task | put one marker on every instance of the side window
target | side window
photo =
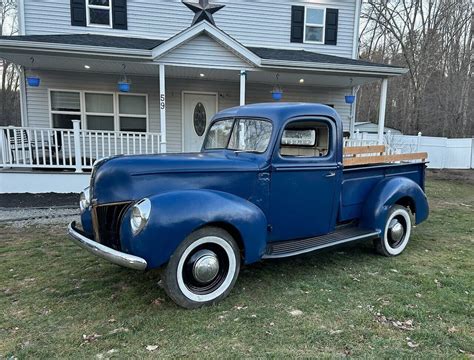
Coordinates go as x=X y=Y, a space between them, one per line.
x=305 y=139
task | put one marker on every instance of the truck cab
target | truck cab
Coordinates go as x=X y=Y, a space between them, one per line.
x=269 y=182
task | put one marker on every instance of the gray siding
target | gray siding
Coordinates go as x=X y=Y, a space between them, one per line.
x=38 y=111
x=254 y=23
x=204 y=51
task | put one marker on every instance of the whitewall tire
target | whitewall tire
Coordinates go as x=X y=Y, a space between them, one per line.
x=203 y=269
x=396 y=232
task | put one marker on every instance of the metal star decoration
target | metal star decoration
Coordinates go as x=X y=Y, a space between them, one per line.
x=203 y=11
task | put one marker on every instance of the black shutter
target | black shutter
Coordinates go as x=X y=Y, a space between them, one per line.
x=119 y=14
x=332 y=16
x=297 y=24
x=78 y=12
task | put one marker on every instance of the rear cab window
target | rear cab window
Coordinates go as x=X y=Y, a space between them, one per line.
x=308 y=139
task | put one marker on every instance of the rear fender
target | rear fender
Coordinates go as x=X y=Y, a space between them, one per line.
x=391 y=191
x=174 y=215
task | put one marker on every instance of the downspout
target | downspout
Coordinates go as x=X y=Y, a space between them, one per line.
x=355 y=55
x=355 y=40
x=21 y=69
x=21 y=17
x=23 y=104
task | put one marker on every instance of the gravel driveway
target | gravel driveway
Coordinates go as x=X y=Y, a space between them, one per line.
x=22 y=217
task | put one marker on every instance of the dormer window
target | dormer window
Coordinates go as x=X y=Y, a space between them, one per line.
x=99 y=13
x=314 y=25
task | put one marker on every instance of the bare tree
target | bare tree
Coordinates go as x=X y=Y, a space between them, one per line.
x=9 y=86
x=433 y=39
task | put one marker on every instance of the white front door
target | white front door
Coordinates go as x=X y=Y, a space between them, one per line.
x=198 y=109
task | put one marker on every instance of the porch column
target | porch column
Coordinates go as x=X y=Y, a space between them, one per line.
x=382 y=107
x=162 y=109
x=243 y=78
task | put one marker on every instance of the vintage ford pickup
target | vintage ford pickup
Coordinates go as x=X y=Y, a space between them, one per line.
x=271 y=181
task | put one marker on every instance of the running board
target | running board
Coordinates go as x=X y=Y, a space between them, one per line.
x=282 y=249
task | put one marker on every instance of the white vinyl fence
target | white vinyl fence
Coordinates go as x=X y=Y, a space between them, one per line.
x=443 y=153
x=47 y=148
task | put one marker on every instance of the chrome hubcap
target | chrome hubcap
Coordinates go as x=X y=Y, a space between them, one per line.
x=206 y=267
x=396 y=230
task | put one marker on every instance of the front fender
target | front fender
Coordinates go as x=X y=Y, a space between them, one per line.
x=390 y=191
x=174 y=215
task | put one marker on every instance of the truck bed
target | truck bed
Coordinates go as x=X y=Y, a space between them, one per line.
x=358 y=181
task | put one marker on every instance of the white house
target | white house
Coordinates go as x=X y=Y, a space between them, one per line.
x=181 y=62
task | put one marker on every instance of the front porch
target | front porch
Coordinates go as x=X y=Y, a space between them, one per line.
x=175 y=88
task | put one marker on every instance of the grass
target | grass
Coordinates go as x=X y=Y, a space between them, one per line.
x=57 y=301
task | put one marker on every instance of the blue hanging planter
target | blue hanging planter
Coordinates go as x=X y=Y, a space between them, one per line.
x=350 y=99
x=277 y=95
x=33 y=81
x=124 y=87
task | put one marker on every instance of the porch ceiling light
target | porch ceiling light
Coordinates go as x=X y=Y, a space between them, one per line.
x=301 y=81
x=87 y=67
x=202 y=75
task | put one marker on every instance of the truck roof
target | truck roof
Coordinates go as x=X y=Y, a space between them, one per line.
x=280 y=112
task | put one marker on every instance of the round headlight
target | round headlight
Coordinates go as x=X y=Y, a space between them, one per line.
x=140 y=215
x=84 y=199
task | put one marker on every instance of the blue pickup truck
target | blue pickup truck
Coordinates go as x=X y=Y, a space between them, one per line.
x=270 y=182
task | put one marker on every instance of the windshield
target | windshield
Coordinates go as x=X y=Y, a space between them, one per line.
x=247 y=135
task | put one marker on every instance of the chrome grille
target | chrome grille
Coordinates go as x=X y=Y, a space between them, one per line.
x=107 y=224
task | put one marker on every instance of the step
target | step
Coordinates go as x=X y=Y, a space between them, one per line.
x=288 y=248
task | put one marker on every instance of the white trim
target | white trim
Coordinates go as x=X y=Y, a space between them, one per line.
x=302 y=65
x=69 y=48
x=99 y=7
x=42 y=182
x=183 y=93
x=323 y=25
x=355 y=45
x=205 y=28
x=83 y=111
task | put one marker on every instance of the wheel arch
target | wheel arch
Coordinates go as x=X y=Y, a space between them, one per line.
x=232 y=230
x=390 y=191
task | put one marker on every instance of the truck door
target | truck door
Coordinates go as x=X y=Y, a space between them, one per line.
x=305 y=180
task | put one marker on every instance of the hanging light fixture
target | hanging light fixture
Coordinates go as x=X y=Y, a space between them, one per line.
x=124 y=83
x=350 y=98
x=277 y=92
x=33 y=80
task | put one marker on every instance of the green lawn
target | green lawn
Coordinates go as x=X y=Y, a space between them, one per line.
x=58 y=301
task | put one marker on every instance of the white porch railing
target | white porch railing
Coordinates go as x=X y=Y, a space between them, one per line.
x=26 y=147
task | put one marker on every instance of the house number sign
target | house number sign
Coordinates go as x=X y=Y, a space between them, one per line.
x=162 y=101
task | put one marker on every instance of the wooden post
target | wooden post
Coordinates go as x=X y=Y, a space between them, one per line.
x=243 y=78
x=162 y=109
x=76 y=128
x=382 y=107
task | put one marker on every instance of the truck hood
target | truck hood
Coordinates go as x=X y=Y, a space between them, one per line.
x=129 y=178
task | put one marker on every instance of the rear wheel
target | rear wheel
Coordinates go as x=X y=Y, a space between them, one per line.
x=396 y=233
x=203 y=269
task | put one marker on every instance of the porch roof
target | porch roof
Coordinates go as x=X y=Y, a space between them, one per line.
x=146 y=49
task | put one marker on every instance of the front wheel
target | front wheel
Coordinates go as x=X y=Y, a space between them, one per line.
x=396 y=232
x=203 y=269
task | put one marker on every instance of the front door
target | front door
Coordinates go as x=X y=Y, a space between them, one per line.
x=198 y=109
x=304 y=181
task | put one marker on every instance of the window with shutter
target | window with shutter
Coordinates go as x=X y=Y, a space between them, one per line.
x=297 y=24
x=332 y=19
x=99 y=13
x=314 y=25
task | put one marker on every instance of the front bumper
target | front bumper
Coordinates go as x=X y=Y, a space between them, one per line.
x=104 y=252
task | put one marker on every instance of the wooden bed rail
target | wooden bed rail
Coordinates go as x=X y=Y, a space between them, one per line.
x=376 y=155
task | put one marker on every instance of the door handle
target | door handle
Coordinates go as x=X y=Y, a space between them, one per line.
x=330 y=174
